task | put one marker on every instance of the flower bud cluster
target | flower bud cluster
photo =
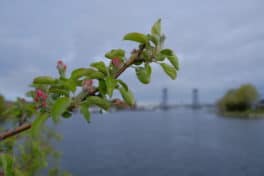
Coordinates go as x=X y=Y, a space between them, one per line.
x=41 y=98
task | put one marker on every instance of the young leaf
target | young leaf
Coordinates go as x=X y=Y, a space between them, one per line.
x=174 y=61
x=110 y=85
x=38 y=123
x=127 y=96
x=102 y=87
x=144 y=74
x=84 y=109
x=44 y=80
x=119 y=53
x=76 y=74
x=160 y=57
x=98 y=101
x=59 y=107
x=66 y=85
x=100 y=66
x=154 y=38
x=148 y=69
x=58 y=91
x=169 y=70
x=156 y=28
x=6 y=162
x=95 y=75
x=136 y=37
x=86 y=72
x=167 y=52
x=123 y=84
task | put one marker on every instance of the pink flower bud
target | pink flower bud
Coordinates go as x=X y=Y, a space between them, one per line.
x=87 y=85
x=61 y=67
x=116 y=62
x=39 y=93
x=40 y=98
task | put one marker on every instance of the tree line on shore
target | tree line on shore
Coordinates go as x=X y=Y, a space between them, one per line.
x=241 y=101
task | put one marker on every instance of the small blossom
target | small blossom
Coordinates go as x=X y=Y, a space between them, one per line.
x=116 y=62
x=87 y=85
x=40 y=98
x=39 y=93
x=61 y=67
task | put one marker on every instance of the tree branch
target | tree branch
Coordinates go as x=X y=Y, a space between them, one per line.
x=15 y=131
x=27 y=126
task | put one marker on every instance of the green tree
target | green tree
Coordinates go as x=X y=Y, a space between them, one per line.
x=2 y=105
x=240 y=99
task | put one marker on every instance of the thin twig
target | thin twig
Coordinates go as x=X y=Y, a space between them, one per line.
x=15 y=131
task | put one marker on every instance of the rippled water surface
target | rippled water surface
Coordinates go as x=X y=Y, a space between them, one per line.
x=178 y=142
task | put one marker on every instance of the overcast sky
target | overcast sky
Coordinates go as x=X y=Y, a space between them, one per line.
x=219 y=43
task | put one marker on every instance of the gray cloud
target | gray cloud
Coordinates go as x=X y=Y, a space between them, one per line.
x=219 y=43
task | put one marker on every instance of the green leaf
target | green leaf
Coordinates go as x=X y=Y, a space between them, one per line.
x=98 y=101
x=144 y=74
x=156 y=28
x=136 y=37
x=102 y=87
x=119 y=53
x=66 y=84
x=85 y=112
x=80 y=72
x=100 y=66
x=59 y=107
x=167 y=52
x=110 y=85
x=123 y=84
x=127 y=96
x=174 y=61
x=95 y=75
x=148 y=69
x=44 y=80
x=160 y=57
x=7 y=164
x=154 y=38
x=58 y=91
x=169 y=70
x=38 y=123
x=86 y=72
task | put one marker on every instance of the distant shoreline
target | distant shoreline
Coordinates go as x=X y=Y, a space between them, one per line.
x=252 y=114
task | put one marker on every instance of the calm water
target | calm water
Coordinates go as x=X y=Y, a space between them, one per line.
x=179 y=142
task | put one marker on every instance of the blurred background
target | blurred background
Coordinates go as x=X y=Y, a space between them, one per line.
x=180 y=132
x=219 y=43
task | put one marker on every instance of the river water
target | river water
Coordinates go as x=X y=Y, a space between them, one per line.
x=178 y=142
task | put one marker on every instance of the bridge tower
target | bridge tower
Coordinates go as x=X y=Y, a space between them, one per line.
x=164 y=101
x=195 y=99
